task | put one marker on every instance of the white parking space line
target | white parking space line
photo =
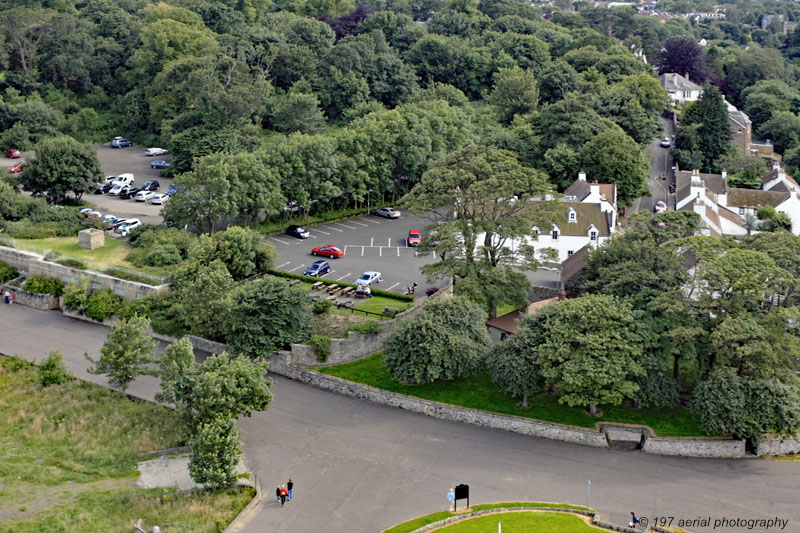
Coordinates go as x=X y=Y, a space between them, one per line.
x=345 y=225
x=340 y=279
x=373 y=221
x=295 y=268
x=393 y=286
x=312 y=236
x=334 y=229
x=283 y=265
x=371 y=240
x=398 y=251
x=359 y=223
x=319 y=230
x=362 y=251
x=389 y=241
x=280 y=241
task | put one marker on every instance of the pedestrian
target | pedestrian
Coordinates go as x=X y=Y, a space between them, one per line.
x=284 y=492
x=289 y=487
x=634 y=520
x=11 y=298
x=278 y=494
x=6 y=296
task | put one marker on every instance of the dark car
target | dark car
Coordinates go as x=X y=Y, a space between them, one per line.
x=120 y=142
x=151 y=185
x=298 y=232
x=103 y=188
x=318 y=268
x=128 y=192
x=12 y=154
x=159 y=164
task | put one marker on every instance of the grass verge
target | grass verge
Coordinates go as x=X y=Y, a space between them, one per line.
x=479 y=392
x=420 y=521
x=68 y=455
x=522 y=522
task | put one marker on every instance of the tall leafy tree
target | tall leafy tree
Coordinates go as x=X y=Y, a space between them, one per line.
x=62 y=166
x=513 y=363
x=681 y=55
x=126 y=354
x=617 y=158
x=514 y=93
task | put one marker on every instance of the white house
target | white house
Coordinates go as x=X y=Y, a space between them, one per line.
x=679 y=88
x=588 y=217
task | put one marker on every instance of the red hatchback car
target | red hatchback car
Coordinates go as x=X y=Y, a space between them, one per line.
x=12 y=154
x=16 y=168
x=328 y=251
x=414 y=237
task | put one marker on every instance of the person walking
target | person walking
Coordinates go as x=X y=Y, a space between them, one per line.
x=634 y=520
x=278 y=494
x=11 y=298
x=283 y=495
x=289 y=487
x=6 y=294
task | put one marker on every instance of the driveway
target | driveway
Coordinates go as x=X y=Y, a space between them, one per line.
x=361 y=467
x=660 y=165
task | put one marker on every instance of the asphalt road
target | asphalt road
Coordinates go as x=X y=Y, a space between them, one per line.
x=660 y=165
x=360 y=467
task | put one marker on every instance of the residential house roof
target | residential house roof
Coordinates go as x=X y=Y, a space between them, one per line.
x=753 y=197
x=713 y=182
x=586 y=215
x=579 y=190
x=676 y=82
x=509 y=321
x=574 y=264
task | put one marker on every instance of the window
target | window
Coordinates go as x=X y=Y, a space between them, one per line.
x=572 y=216
x=555 y=234
x=569 y=253
x=593 y=235
x=741 y=210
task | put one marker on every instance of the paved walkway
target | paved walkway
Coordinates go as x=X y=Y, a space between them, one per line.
x=360 y=467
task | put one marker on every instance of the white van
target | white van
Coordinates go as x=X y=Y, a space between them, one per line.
x=123 y=179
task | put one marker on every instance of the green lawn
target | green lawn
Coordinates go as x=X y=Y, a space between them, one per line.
x=112 y=254
x=479 y=392
x=522 y=522
x=67 y=458
x=377 y=303
x=418 y=522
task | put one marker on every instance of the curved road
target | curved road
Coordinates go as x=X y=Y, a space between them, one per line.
x=360 y=467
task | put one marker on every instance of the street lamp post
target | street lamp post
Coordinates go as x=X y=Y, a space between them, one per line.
x=368 y=207
x=588 y=483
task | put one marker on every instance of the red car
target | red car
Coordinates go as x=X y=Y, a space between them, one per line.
x=15 y=168
x=328 y=251
x=12 y=154
x=414 y=237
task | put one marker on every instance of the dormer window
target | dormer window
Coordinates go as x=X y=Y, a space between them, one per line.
x=572 y=217
x=593 y=235
x=555 y=234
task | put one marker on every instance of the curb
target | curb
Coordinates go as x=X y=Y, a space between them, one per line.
x=166 y=451
x=244 y=515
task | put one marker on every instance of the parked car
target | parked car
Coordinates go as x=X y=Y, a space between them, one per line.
x=128 y=192
x=298 y=232
x=109 y=220
x=660 y=207
x=387 y=212
x=329 y=250
x=127 y=226
x=414 y=237
x=159 y=164
x=15 y=168
x=118 y=222
x=124 y=179
x=155 y=151
x=12 y=154
x=665 y=142
x=151 y=185
x=173 y=189
x=159 y=199
x=85 y=210
x=120 y=142
x=143 y=196
x=369 y=277
x=318 y=268
x=116 y=189
x=102 y=188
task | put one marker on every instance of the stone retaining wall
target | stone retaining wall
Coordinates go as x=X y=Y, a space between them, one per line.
x=715 y=448
x=44 y=302
x=32 y=264
x=778 y=446
x=355 y=346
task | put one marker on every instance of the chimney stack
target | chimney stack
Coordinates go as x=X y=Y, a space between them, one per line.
x=581 y=176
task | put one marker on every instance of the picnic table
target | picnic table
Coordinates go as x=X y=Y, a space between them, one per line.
x=317 y=286
x=333 y=288
x=347 y=291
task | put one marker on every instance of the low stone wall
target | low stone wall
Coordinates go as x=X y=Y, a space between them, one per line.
x=355 y=346
x=45 y=302
x=777 y=446
x=34 y=265
x=714 y=448
x=77 y=316
x=439 y=410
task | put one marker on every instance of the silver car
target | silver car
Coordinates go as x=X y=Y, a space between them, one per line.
x=387 y=212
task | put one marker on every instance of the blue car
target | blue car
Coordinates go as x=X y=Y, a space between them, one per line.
x=318 y=268
x=120 y=142
x=173 y=189
x=159 y=164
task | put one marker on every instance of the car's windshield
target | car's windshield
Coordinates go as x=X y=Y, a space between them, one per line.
x=364 y=276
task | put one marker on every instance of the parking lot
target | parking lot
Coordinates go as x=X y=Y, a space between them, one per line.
x=116 y=161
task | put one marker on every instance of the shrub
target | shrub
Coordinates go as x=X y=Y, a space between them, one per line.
x=43 y=285
x=430 y=291
x=103 y=304
x=7 y=273
x=52 y=370
x=76 y=296
x=370 y=326
x=163 y=255
x=657 y=390
x=321 y=344
x=74 y=263
x=321 y=307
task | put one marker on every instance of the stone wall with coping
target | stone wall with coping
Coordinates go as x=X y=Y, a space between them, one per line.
x=713 y=448
x=778 y=446
x=355 y=346
x=44 y=302
x=32 y=264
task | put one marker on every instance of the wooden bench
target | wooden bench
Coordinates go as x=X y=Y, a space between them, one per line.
x=333 y=288
x=317 y=286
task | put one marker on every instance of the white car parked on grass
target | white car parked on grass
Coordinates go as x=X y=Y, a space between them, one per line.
x=369 y=277
x=155 y=151
x=159 y=199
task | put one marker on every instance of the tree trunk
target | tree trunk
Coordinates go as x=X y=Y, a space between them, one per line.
x=592 y=409
x=676 y=369
x=525 y=403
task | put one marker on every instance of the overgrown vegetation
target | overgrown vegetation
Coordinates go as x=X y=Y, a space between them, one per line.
x=43 y=285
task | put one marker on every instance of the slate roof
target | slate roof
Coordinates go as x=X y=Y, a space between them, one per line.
x=676 y=82
x=587 y=214
x=574 y=264
x=713 y=182
x=752 y=198
x=579 y=190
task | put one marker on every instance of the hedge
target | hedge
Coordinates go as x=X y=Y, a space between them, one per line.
x=310 y=279
x=43 y=285
x=7 y=273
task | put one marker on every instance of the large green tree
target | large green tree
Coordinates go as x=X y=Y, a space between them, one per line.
x=61 y=166
x=126 y=354
x=616 y=158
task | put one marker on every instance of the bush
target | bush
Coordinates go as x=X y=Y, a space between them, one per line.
x=321 y=344
x=52 y=370
x=370 y=326
x=7 y=273
x=163 y=255
x=309 y=279
x=430 y=291
x=74 y=263
x=43 y=285
x=76 y=296
x=321 y=307
x=657 y=390
x=103 y=304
